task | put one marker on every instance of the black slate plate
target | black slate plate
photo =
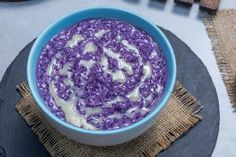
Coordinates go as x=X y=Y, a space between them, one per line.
x=17 y=140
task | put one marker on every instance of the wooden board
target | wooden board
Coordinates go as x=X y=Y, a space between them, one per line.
x=185 y=2
x=210 y=5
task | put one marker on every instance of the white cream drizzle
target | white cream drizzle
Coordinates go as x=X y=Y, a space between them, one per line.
x=144 y=110
x=118 y=38
x=147 y=71
x=115 y=100
x=93 y=110
x=118 y=75
x=130 y=111
x=148 y=99
x=100 y=33
x=68 y=81
x=153 y=54
x=69 y=108
x=159 y=88
x=75 y=40
x=53 y=62
x=64 y=69
x=130 y=46
x=135 y=94
x=50 y=66
x=88 y=64
x=115 y=115
x=90 y=47
x=122 y=64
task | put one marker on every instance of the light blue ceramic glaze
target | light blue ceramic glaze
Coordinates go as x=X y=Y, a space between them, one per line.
x=100 y=137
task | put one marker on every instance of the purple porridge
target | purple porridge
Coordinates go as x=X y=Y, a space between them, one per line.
x=101 y=74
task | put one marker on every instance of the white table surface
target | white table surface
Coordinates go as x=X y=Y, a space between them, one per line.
x=21 y=22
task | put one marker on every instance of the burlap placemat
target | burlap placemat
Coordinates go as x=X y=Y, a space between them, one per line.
x=180 y=114
x=222 y=32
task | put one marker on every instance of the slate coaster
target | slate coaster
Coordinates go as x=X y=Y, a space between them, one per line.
x=17 y=139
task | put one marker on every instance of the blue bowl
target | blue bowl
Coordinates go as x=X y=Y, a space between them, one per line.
x=100 y=137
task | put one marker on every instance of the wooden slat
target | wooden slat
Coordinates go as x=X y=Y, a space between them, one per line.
x=210 y=5
x=185 y=2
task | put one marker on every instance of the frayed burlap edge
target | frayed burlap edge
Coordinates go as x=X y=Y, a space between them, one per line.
x=222 y=60
x=143 y=146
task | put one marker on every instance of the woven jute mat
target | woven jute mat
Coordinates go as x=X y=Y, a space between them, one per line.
x=180 y=114
x=222 y=32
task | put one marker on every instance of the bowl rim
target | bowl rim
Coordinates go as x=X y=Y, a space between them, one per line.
x=43 y=107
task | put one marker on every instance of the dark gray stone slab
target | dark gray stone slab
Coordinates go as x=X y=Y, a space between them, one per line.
x=17 y=140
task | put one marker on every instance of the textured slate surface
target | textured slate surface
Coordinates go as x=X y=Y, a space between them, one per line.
x=16 y=138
